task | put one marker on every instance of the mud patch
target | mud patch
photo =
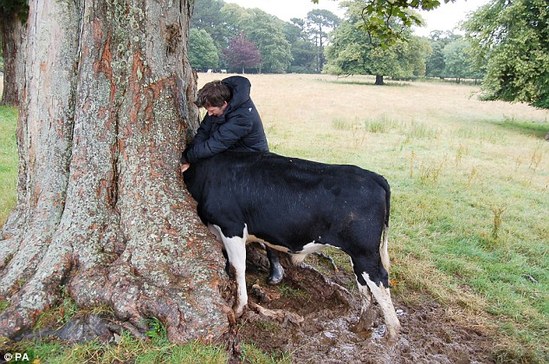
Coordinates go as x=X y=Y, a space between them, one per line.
x=333 y=331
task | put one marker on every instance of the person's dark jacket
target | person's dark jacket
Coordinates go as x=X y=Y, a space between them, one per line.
x=239 y=129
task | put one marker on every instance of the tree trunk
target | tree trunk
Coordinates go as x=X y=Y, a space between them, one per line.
x=102 y=209
x=379 y=80
x=12 y=31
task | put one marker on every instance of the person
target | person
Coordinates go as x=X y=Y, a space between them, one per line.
x=232 y=123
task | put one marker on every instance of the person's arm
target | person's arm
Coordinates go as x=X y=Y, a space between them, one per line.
x=201 y=135
x=203 y=130
x=222 y=139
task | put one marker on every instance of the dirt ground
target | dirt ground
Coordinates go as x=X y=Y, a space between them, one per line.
x=318 y=322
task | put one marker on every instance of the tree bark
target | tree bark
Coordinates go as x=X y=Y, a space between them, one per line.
x=102 y=209
x=379 y=80
x=12 y=31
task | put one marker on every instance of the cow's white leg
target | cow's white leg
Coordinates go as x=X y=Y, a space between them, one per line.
x=366 y=297
x=383 y=296
x=236 y=252
x=384 y=247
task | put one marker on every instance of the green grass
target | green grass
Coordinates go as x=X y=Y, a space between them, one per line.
x=125 y=349
x=128 y=349
x=8 y=161
x=535 y=129
x=252 y=354
x=483 y=245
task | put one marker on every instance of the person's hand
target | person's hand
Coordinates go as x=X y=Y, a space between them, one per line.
x=184 y=167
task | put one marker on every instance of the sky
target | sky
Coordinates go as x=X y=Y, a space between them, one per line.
x=445 y=17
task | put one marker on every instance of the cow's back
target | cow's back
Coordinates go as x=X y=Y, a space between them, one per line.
x=286 y=201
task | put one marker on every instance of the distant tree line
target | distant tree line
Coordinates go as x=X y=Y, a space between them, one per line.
x=227 y=36
x=506 y=44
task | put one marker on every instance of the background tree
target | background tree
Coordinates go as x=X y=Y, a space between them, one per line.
x=13 y=14
x=435 y=65
x=102 y=214
x=302 y=49
x=318 y=23
x=386 y=21
x=458 y=60
x=413 y=56
x=242 y=54
x=202 y=51
x=512 y=39
x=235 y=16
x=209 y=16
x=354 y=51
x=266 y=31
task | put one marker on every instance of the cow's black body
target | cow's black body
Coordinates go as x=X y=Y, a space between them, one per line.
x=290 y=203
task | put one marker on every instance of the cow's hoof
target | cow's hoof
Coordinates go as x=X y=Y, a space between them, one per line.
x=277 y=273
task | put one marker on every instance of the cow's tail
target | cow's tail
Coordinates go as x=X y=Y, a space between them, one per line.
x=384 y=244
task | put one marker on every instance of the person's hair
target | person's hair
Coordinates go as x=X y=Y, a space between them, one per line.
x=214 y=94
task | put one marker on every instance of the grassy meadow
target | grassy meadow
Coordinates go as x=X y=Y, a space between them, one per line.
x=470 y=190
x=8 y=161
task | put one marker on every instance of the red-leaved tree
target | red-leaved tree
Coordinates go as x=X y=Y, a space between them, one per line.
x=242 y=53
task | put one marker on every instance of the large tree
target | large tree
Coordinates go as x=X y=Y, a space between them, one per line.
x=202 y=51
x=302 y=49
x=241 y=54
x=266 y=31
x=102 y=212
x=353 y=51
x=512 y=40
x=319 y=22
x=13 y=14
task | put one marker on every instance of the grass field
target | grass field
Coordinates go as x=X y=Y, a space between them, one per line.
x=470 y=183
x=8 y=161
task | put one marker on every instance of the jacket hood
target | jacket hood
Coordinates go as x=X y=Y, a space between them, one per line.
x=240 y=87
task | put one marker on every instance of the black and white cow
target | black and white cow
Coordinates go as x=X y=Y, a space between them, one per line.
x=298 y=207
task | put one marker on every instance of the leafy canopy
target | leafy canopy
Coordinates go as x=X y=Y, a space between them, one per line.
x=512 y=39
x=202 y=53
x=380 y=16
x=353 y=51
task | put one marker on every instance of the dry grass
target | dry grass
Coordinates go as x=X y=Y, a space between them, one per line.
x=425 y=128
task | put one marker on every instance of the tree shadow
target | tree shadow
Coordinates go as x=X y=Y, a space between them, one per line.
x=530 y=128
x=387 y=83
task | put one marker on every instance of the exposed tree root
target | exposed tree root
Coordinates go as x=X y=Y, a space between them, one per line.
x=278 y=315
x=180 y=286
